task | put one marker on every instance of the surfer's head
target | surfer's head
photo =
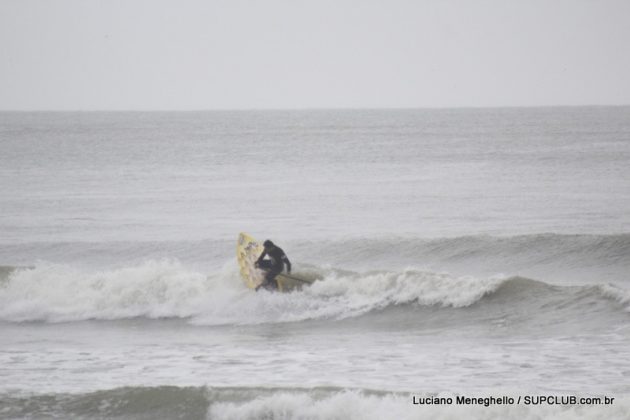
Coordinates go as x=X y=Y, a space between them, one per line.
x=268 y=244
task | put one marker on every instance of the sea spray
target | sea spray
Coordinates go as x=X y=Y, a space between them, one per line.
x=159 y=289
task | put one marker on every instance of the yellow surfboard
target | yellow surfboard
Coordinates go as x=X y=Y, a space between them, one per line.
x=248 y=250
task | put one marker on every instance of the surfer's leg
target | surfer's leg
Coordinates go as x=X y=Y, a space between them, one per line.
x=270 y=279
x=268 y=282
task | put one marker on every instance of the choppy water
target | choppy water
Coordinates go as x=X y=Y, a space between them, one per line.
x=460 y=252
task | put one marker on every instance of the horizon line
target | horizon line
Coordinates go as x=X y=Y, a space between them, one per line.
x=253 y=109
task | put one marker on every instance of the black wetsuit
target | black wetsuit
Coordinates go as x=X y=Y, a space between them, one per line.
x=273 y=266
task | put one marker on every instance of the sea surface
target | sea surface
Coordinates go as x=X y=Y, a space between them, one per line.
x=461 y=252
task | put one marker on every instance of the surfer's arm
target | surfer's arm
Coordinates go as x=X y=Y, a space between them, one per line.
x=262 y=256
x=287 y=262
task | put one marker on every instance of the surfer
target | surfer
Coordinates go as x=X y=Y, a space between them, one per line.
x=273 y=266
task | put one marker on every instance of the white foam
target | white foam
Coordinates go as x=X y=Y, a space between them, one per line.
x=57 y=293
x=166 y=289
x=350 y=405
x=344 y=296
x=616 y=293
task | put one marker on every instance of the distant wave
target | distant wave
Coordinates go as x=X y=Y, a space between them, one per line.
x=280 y=403
x=167 y=289
x=549 y=246
x=606 y=256
x=588 y=258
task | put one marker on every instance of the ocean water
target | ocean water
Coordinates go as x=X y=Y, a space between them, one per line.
x=461 y=253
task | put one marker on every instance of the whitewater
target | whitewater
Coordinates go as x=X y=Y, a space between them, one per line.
x=472 y=252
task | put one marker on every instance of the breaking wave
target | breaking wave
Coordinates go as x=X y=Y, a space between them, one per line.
x=167 y=289
x=234 y=403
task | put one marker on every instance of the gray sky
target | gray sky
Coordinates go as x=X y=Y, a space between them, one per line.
x=184 y=54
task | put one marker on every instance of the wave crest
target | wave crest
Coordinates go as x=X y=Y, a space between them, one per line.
x=58 y=293
x=166 y=289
